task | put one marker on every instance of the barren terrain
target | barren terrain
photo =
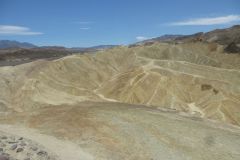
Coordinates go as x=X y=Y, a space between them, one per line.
x=161 y=101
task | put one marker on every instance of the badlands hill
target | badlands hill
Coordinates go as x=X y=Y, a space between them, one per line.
x=194 y=78
x=160 y=101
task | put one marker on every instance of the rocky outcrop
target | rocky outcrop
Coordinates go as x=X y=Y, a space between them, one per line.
x=232 y=48
x=13 y=147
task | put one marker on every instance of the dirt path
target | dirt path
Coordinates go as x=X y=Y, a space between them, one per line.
x=63 y=149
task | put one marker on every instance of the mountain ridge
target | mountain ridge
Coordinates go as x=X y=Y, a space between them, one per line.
x=228 y=37
x=5 y=44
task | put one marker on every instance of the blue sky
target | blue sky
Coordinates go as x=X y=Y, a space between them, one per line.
x=93 y=22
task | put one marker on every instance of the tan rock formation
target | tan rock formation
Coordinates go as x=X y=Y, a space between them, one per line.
x=186 y=77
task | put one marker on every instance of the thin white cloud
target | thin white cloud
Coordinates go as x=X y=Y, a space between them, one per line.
x=85 y=28
x=84 y=25
x=141 y=38
x=16 y=30
x=208 y=21
x=83 y=22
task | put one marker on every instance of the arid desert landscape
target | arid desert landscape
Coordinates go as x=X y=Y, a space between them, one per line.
x=119 y=80
x=152 y=100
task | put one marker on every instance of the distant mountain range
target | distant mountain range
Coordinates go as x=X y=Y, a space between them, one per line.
x=94 y=48
x=164 y=38
x=14 y=52
x=7 y=44
x=4 y=44
x=229 y=37
x=220 y=36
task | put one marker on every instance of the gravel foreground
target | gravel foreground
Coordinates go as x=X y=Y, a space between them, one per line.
x=18 y=148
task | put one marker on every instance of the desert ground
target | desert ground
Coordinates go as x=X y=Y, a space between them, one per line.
x=148 y=102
